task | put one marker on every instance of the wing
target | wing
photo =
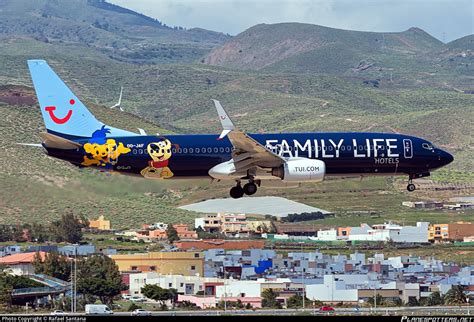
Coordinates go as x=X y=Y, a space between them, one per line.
x=248 y=153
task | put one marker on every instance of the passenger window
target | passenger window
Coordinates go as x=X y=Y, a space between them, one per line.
x=197 y=150
x=349 y=148
x=185 y=150
x=343 y=148
x=227 y=149
x=191 y=150
x=209 y=150
x=221 y=150
x=216 y=150
x=173 y=150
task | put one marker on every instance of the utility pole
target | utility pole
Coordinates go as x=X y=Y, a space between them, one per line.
x=302 y=275
x=375 y=297
x=72 y=286
x=225 y=292
x=75 y=278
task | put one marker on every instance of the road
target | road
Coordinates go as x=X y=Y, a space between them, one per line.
x=421 y=310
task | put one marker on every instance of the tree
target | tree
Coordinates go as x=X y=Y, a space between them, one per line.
x=435 y=298
x=157 y=293
x=413 y=301
x=53 y=265
x=98 y=276
x=38 y=233
x=455 y=296
x=133 y=307
x=68 y=229
x=296 y=301
x=379 y=298
x=9 y=282
x=6 y=288
x=172 y=233
x=269 y=299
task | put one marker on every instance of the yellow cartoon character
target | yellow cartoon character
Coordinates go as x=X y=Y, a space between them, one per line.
x=160 y=152
x=103 y=154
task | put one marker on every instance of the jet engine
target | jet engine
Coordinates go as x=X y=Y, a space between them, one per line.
x=301 y=169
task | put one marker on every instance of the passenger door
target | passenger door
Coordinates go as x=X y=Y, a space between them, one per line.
x=407 y=149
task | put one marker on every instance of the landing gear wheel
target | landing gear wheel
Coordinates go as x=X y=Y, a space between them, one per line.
x=250 y=188
x=411 y=187
x=236 y=192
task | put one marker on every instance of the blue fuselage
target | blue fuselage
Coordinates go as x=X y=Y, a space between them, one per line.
x=343 y=153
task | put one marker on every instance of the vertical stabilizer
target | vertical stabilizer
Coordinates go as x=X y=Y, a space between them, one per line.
x=63 y=113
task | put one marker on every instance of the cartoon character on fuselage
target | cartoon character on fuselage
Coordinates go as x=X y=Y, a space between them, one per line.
x=101 y=151
x=160 y=152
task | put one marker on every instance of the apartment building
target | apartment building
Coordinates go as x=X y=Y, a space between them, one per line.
x=179 y=263
x=456 y=231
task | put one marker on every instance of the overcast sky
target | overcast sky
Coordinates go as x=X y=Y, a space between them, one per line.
x=445 y=19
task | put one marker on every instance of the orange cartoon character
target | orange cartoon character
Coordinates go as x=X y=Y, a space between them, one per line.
x=101 y=151
x=160 y=153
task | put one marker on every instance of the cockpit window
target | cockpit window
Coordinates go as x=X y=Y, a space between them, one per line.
x=427 y=146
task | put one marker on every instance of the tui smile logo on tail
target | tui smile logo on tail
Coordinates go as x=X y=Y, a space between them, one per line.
x=56 y=119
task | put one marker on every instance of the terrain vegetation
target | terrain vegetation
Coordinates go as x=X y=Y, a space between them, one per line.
x=303 y=78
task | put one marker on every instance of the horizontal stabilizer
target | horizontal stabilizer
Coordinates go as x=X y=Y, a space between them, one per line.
x=31 y=144
x=57 y=142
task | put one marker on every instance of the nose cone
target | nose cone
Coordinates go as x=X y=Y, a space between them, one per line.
x=445 y=158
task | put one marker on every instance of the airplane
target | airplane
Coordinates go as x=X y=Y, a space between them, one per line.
x=74 y=134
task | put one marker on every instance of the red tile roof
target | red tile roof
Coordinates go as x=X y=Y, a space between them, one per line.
x=22 y=258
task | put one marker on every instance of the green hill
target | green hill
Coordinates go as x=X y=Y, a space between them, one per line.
x=464 y=43
x=117 y=32
x=300 y=47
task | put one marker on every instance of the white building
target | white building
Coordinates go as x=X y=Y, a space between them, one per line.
x=337 y=288
x=184 y=284
x=394 y=232
x=326 y=235
x=9 y=250
x=238 y=288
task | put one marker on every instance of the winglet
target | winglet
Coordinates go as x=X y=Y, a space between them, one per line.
x=226 y=122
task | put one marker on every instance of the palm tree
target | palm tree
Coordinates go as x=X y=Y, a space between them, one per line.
x=455 y=295
x=269 y=298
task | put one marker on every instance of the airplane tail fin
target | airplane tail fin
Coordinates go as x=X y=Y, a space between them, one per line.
x=63 y=113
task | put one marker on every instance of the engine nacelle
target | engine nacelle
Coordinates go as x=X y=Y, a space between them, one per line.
x=301 y=170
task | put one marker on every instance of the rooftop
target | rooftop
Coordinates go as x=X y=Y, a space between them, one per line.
x=275 y=206
x=22 y=258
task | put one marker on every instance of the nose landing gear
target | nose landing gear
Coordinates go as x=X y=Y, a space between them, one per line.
x=249 y=189
x=411 y=187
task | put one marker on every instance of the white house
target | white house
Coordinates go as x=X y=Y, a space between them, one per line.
x=326 y=235
x=394 y=232
x=337 y=288
x=22 y=263
x=184 y=284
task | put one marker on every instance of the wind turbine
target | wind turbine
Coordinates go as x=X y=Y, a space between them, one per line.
x=119 y=101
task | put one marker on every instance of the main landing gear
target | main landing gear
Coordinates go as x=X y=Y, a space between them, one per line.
x=411 y=187
x=249 y=189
